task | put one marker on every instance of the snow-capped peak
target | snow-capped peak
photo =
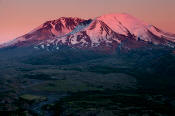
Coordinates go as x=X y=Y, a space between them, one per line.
x=107 y=30
x=124 y=23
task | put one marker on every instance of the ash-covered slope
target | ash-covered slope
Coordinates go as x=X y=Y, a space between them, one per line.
x=107 y=32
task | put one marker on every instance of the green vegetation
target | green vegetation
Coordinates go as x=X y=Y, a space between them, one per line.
x=113 y=103
x=32 y=98
x=136 y=82
x=86 y=81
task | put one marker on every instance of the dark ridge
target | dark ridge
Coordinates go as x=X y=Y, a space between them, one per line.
x=160 y=40
x=93 y=25
x=169 y=34
x=86 y=22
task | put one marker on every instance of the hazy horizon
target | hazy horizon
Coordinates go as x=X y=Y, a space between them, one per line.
x=21 y=16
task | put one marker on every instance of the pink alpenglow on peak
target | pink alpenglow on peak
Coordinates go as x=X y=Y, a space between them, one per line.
x=123 y=23
x=105 y=32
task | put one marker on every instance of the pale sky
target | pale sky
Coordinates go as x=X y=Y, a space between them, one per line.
x=18 y=17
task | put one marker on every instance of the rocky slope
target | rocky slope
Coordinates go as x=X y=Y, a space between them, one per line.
x=107 y=32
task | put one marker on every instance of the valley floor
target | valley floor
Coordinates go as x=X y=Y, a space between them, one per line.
x=134 y=84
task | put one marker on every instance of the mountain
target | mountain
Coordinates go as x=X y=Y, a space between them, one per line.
x=48 y=30
x=110 y=65
x=108 y=32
